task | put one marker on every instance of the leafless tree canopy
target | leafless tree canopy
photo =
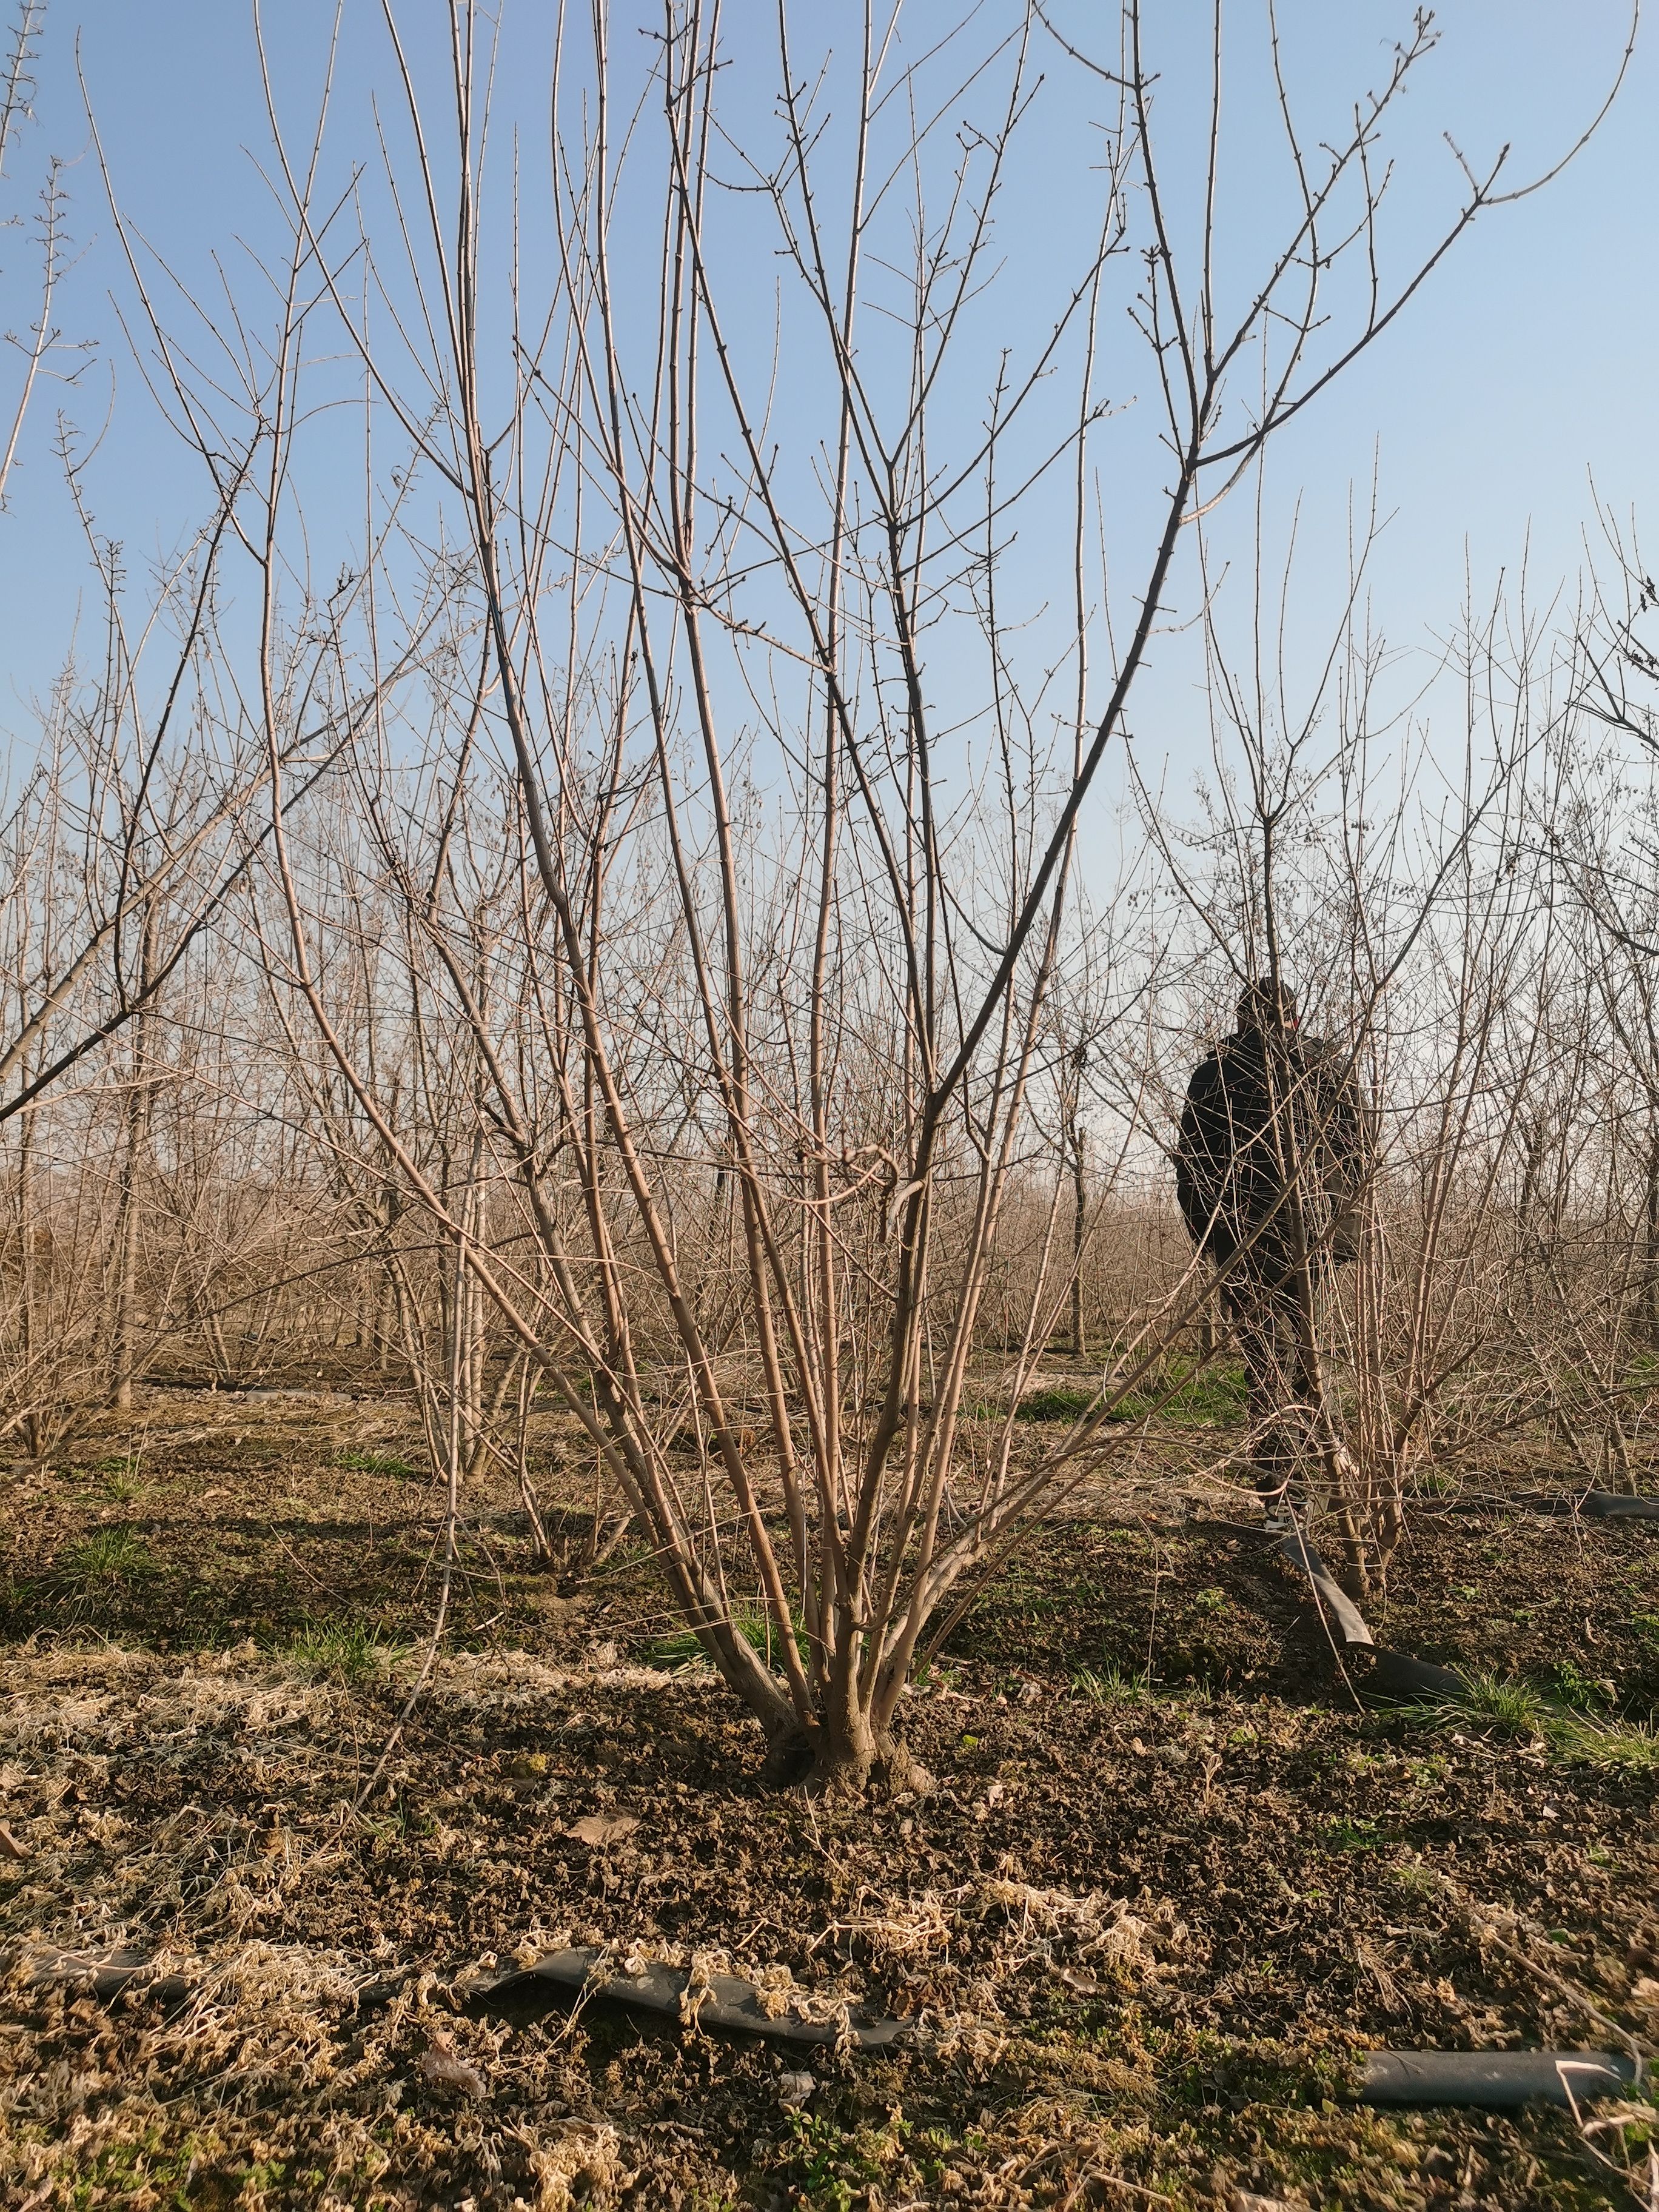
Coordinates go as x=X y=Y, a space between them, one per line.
x=579 y=871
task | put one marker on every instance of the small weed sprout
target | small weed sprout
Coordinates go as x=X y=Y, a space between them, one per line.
x=342 y=1652
x=1108 y=1686
x=1415 y=1880
x=1353 y=1834
x=1574 y=1687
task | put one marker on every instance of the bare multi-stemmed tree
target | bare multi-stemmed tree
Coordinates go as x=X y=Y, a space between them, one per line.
x=731 y=886
x=1588 y=1204
x=655 y=830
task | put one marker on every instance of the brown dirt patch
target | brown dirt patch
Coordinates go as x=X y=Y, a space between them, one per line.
x=1166 y=1888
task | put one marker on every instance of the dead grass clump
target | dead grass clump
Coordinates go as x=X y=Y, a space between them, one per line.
x=904 y=1930
x=581 y=2165
x=508 y=1681
x=111 y=1698
x=1014 y=1930
x=1042 y=1923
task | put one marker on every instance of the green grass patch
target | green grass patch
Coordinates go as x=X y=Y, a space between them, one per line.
x=371 y=1462
x=753 y=1623
x=834 y=2167
x=1106 y=1685
x=121 y=1475
x=1182 y=1388
x=1498 y=1704
x=1064 y=1401
x=167 y=2176
x=1188 y=1390
x=340 y=1651
x=1492 y=1701
x=110 y=1555
x=1611 y=1744
x=117 y=1476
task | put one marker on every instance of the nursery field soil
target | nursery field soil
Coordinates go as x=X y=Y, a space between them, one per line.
x=1168 y=1881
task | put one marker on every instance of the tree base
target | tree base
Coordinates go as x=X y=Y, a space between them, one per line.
x=818 y=1769
x=791 y=1756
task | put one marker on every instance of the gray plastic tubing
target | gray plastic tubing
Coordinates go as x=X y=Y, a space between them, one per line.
x=1499 y=2080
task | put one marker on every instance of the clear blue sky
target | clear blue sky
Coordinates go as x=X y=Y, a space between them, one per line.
x=1525 y=370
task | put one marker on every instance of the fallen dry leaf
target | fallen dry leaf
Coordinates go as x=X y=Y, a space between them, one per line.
x=9 y=1845
x=597 y=1830
x=1085 y=1984
x=440 y=2063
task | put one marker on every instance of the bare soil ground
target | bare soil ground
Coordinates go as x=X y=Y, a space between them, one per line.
x=1171 y=1881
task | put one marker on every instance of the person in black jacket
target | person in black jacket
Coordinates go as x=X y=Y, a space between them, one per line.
x=1269 y=1171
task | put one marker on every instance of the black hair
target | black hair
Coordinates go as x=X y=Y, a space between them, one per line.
x=1265 y=1002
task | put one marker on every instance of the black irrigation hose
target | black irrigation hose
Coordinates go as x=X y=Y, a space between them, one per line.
x=1498 y=2081
x=1407 y=1681
x=1591 y=1504
x=718 y=2001
x=1393 y=1675
x=1335 y=1601
x=1396 y=1675
x=1611 y=1506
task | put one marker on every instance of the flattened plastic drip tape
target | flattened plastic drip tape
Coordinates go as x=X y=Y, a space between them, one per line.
x=1610 y=1505
x=1336 y=1602
x=1593 y=1504
x=1397 y=1676
x=1498 y=2081
x=722 y=2002
x=105 y=1975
